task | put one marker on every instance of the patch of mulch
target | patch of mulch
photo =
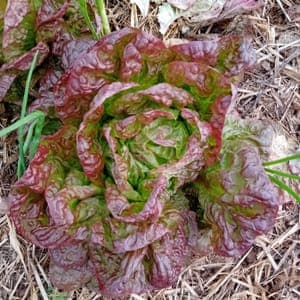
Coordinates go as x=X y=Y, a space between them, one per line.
x=271 y=268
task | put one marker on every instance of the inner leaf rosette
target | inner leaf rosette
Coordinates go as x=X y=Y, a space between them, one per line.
x=138 y=122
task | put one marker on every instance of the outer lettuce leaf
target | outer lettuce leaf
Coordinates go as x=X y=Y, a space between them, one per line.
x=19 y=28
x=74 y=90
x=44 y=100
x=259 y=134
x=116 y=56
x=154 y=266
x=208 y=12
x=45 y=174
x=120 y=275
x=50 y=13
x=72 y=277
x=238 y=200
x=203 y=12
x=62 y=24
x=271 y=142
x=6 y=81
x=35 y=25
x=9 y=71
x=229 y=54
x=23 y=62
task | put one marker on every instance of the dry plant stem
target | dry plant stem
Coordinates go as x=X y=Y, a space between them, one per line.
x=16 y=245
x=283 y=10
x=39 y=281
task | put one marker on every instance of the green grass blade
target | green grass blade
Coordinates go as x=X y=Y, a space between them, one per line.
x=37 y=136
x=282 y=160
x=20 y=123
x=84 y=11
x=27 y=85
x=282 y=174
x=29 y=136
x=21 y=160
x=102 y=12
x=285 y=187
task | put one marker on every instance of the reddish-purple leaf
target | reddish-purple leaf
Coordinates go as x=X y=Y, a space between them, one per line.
x=44 y=101
x=9 y=71
x=23 y=62
x=124 y=211
x=5 y=82
x=232 y=54
x=48 y=15
x=120 y=275
x=18 y=28
x=88 y=149
x=74 y=255
x=238 y=200
x=70 y=278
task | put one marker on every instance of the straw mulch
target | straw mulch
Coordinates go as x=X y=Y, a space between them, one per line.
x=271 y=268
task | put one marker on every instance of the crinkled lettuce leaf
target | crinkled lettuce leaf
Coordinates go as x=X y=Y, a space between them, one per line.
x=19 y=29
x=208 y=12
x=30 y=25
x=236 y=197
x=203 y=12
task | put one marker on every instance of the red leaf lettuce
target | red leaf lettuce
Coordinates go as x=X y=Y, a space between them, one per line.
x=139 y=122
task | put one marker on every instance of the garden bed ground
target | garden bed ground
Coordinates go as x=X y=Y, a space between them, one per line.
x=270 y=269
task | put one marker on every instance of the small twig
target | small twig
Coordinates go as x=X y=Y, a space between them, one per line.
x=280 y=49
x=14 y=242
x=290 y=101
x=229 y=274
x=11 y=296
x=283 y=10
x=39 y=281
